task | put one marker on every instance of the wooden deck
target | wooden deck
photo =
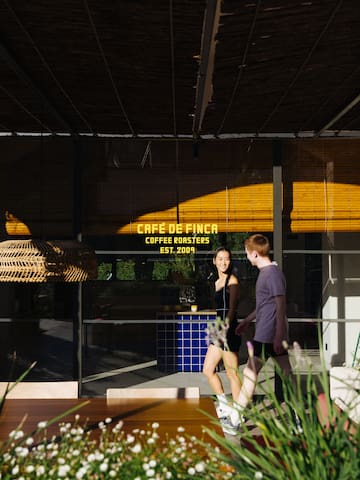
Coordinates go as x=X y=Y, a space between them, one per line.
x=134 y=413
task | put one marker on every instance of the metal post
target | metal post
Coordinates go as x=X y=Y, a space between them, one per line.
x=77 y=289
x=277 y=203
x=278 y=232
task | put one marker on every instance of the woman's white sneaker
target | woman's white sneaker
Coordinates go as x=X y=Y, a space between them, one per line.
x=223 y=410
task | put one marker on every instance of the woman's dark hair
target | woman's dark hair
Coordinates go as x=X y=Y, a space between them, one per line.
x=224 y=249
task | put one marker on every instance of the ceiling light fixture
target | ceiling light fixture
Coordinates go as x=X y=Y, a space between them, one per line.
x=46 y=261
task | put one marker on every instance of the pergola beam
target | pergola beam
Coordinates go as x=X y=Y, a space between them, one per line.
x=206 y=65
x=337 y=117
x=205 y=136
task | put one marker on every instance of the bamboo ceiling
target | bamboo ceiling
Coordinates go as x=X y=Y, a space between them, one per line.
x=180 y=68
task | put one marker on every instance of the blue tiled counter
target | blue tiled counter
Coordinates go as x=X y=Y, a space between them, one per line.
x=180 y=342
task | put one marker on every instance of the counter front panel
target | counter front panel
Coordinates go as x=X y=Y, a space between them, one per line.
x=181 y=346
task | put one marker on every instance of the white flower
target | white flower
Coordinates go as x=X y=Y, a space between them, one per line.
x=40 y=470
x=108 y=420
x=63 y=470
x=16 y=434
x=152 y=463
x=103 y=467
x=200 y=467
x=130 y=439
x=30 y=468
x=150 y=441
x=80 y=473
x=155 y=425
x=15 y=470
x=42 y=424
x=258 y=475
x=136 y=448
x=181 y=429
x=29 y=441
x=150 y=472
x=22 y=451
x=301 y=361
x=191 y=471
x=216 y=332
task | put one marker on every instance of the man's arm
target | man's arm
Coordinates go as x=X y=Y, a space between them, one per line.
x=281 y=327
x=243 y=325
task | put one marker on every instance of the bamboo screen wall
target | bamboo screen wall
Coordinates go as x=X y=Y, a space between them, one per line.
x=230 y=184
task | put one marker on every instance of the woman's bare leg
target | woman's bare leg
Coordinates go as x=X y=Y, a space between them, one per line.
x=212 y=359
x=231 y=363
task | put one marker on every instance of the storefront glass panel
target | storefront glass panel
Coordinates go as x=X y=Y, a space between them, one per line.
x=155 y=220
x=321 y=233
x=160 y=262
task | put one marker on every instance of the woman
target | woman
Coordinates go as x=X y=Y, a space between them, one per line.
x=226 y=300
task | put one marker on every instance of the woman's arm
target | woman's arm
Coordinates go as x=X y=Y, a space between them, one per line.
x=234 y=296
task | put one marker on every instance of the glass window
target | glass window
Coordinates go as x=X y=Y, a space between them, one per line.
x=321 y=243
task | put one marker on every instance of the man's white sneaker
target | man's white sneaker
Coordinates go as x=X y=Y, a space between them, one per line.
x=228 y=427
x=236 y=416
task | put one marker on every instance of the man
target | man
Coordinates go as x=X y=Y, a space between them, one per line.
x=271 y=322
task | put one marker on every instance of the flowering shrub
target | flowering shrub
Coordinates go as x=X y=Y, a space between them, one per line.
x=141 y=454
x=294 y=441
x=304 y=437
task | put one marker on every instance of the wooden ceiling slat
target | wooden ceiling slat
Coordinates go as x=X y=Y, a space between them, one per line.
x=135 y=37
